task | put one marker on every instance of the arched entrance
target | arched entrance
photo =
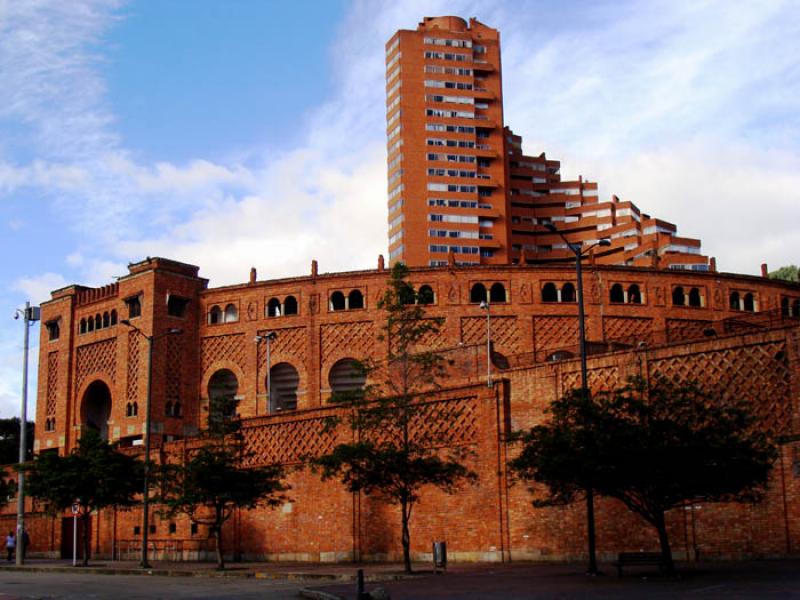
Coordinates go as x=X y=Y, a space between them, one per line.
x=97 y=408
x=222 y=389
x=284 y=381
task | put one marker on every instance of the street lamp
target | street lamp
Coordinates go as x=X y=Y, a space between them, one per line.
x=146 y=497
x=268 y=337
x=485 y=306
x=29 y=315
x=580 y=252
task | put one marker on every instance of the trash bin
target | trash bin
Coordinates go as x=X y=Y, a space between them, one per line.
x=440 y=555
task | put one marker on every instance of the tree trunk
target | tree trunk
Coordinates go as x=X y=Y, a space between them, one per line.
x=220 y=550
x=666 y=551
x=86 y=542
x=406 y=536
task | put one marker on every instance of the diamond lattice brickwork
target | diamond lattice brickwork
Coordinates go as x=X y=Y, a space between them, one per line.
x=555 y=332
x=758 y=373
x=685 y=329
x=290 y=342
x=601 y=379
x=174 y=366
x=505 y=333
x=134 y=355
x=357 y=338
x=222 y=347
x=91 y=359
x=629 y=330
x=287 y=443
x=52 y=383
x=447 y=422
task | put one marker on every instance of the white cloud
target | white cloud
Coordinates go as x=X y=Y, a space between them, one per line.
x=37 y=288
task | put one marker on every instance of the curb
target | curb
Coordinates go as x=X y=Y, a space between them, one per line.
x=317 y=594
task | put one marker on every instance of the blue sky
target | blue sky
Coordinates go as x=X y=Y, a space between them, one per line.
x=251 y=133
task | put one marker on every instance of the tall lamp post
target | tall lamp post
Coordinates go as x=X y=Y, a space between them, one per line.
x=145 y=564
x=485 y=306
x=268 y=337
x=580 y=252
x=29 y=315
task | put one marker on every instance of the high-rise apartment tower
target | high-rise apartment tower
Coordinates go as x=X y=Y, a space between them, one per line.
x=460 y=187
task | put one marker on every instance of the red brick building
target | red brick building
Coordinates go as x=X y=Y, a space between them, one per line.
x=458 y=180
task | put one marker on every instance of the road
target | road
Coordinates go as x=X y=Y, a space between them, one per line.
x=82 y=586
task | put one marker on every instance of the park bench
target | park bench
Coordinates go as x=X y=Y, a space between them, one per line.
x=638 y=559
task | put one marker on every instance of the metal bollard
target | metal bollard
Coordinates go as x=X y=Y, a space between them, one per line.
x=360 y=593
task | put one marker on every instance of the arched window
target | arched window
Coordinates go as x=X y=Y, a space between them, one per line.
x=290 y=305
x=634 y=294
x=617 y=294
x=231 y=314
x=734 y=301
x=785 y=310
x=497 y=293
x=549 y=292
x=135 y=409
x=113 y=317
x=215 y=315
x=98 y=321
x=425 y=295
x=82 y=327
x=478 y=293
x=96 y=408
x=346 y=376
x=568 y=292
x=355 y=299
x=678 y=296
x=177 y=409
x=90 y=324
x=274 y=308
x=559 y=355
x=222 y=390
x=128 y=410
x=749 y=303
x=106 y=319
x=284 y=380
x=796 y=308
x=337 y=301
x=694 y=297
x=405 y=293
x=168 y=408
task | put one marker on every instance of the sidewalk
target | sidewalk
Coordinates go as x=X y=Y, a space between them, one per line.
x=260 y=570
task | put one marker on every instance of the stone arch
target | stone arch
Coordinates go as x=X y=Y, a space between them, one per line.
x=678 y=296
x=617 y=294
x=337 y=301
x=274 y=307
x=355 y=299
x=290 y=305
x=695 y=299
x=426 y=295
x=477 y=293
x=497 y=293
x=634 y=294
x=346 y=376
x=231 y=313
x=568 y=292
x=96 y=407
x=285 y=381
x=549 y=292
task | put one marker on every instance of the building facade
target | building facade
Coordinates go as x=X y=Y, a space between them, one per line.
x=459 y=182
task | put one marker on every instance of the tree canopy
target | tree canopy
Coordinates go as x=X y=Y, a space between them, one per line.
x=787 y=273
x=212 y=482
x=389 y=459
x=93 y=474
x=9 y=441
x=654 y=448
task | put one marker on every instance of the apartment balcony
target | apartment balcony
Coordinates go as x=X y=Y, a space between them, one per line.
x=485 y=151
x=484 y=94
x=482 y=65
x=484 y=180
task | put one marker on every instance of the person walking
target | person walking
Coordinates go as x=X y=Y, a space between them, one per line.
x=11 y=542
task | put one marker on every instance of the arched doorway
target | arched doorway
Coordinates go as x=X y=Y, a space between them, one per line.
x=222 y=389
x=346 y=376
x=284 y=381
x=97 y=408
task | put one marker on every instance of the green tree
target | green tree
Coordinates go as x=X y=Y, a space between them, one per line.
x=211 y=483
x=94 y=474
x=388 y=459
x=8 y=488
x=787 y=273
x=9 y=441
x=653 y=448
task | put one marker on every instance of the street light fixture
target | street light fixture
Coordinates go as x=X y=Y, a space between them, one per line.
x=485 y=306
x=268 y=337
x=580 y=252
x=145 y=564
x=29 y=315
